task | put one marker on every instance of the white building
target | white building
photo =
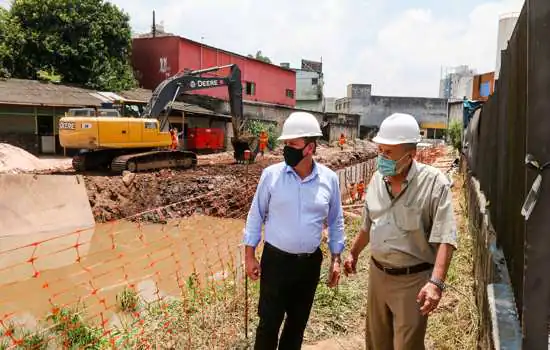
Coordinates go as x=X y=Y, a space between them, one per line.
x=506 y=24
x=456 y=83
x=309 y=90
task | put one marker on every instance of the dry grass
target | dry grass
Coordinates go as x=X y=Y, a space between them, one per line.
x=454 y=324
x=340 y=312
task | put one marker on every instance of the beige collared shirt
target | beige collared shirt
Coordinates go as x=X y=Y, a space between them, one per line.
x=406 y=230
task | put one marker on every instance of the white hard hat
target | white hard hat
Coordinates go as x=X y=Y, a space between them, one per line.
x=300 y=124
x=398 y=128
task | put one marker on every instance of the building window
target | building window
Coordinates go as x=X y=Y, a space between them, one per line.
x=485 y=89
x=250 y=88
x=289 y=93
x=314 y=81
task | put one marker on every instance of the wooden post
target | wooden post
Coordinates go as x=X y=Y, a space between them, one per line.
x=536 y=283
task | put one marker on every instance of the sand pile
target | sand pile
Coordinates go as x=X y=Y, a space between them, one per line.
x=16 y=160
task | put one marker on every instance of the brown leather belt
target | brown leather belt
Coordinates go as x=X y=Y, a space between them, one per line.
x=403 y=270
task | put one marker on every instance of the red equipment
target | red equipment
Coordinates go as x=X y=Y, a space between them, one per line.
x=211 y=139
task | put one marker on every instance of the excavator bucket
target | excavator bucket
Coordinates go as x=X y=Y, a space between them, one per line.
x=245 y=144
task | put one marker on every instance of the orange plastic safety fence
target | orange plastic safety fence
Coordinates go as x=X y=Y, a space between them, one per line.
x=129 y=284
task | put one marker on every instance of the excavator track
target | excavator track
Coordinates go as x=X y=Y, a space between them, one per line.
x=78 y=164
x=154 y=160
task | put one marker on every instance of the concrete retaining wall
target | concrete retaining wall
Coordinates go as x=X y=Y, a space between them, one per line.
x=498 y=318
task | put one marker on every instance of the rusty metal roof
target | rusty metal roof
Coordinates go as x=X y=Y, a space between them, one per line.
x=190 y=108
x=143 y=95
x=38 y=93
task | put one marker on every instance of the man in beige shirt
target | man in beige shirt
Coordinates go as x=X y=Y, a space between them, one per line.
x=408 y=219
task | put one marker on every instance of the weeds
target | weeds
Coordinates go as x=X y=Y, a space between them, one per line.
x=74 y=332
x=128 y=300
x=454 y=324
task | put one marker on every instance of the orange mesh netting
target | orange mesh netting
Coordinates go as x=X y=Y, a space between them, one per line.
x=127 y=284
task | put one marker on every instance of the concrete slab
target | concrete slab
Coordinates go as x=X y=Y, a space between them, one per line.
x=33 y=204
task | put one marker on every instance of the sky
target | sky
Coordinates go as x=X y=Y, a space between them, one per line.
x=398 y=46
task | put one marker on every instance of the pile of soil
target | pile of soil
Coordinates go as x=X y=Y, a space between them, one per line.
x=17 y=160
x=217 y=187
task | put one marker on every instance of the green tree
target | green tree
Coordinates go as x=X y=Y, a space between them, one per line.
x=260 y=57
x=85 y=42
x=455 y=134
x=10 y=43
x=254 y=127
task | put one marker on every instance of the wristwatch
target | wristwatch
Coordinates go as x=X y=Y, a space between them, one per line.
x=438 y=283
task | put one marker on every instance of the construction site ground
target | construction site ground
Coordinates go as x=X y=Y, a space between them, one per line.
x=94 y=266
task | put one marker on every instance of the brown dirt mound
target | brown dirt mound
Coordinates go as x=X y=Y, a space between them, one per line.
x=217 y=188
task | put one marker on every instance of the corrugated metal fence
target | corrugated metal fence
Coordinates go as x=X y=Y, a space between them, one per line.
x=514 y=122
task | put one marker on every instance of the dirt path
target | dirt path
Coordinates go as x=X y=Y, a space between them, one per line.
x=342 y=343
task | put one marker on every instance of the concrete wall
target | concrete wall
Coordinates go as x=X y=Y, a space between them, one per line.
x=455 y=110
x=373 y=109
x=306 y=89
x=425 y=110
x=347 y=124
x=310 y=105
x=498 y=318
x=330 y=104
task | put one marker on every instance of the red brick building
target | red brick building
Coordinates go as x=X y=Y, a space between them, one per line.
x=156 y=58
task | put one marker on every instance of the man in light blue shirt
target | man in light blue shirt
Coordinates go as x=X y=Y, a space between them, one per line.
x=293 y=200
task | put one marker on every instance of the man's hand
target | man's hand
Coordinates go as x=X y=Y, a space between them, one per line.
x=252 y=268
x=428 y=298
x=350 y=265
x=334 y=273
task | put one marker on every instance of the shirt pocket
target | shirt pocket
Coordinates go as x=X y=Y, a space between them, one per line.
x=407 y=218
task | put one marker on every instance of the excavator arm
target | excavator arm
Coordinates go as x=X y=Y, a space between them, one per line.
x=169 y=90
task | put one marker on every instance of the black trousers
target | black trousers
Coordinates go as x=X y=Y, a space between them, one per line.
x=287 y=286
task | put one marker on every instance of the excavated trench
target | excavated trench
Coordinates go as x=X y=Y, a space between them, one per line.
x=215 y=188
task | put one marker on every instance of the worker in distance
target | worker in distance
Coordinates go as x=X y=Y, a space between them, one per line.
x=292 y=201
x=408 y=221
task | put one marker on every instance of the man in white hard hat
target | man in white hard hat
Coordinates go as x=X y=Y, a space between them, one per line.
x=293 y=199
x=408 y=221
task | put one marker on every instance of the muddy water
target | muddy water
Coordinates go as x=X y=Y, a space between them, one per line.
x=93 y=266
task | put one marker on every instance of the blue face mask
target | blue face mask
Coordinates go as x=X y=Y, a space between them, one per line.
x=388 y=167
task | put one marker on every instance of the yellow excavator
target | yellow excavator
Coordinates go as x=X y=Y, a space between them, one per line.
x=107 y=140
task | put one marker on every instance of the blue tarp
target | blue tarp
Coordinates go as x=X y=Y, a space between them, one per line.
x=468 y=110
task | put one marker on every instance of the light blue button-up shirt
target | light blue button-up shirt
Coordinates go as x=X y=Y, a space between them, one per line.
x=293 y=210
